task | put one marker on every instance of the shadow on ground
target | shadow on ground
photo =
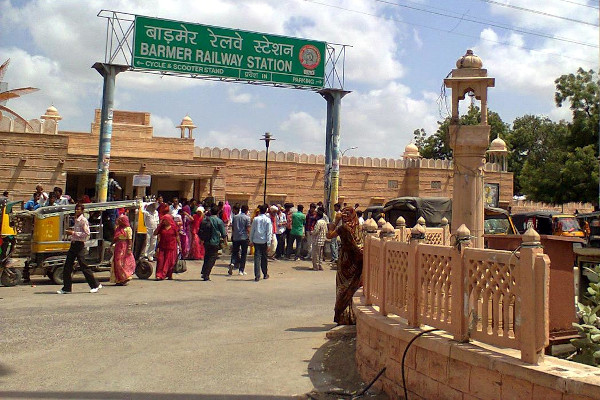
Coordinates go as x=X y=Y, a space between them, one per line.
x=334 y=375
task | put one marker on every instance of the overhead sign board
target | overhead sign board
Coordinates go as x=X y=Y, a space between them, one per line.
x=181 y=47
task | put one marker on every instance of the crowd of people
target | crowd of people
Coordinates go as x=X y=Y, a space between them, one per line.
x=194 y=230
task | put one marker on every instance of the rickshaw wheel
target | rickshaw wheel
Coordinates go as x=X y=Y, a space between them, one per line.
x=143 y=269
x=57 y=275
x=11 y=277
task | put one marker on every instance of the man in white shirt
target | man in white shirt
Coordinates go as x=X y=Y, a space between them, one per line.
x=151 y=220
x=261 y=234
x=175 y=207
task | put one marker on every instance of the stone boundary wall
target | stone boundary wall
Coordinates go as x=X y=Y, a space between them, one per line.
x=437 y=367
x=8 y=124
x=518 y=206
x=245 y=154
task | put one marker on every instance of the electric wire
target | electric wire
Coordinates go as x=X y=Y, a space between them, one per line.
x=579 y=4
x=494 y=24
x=537 y=12
x=504 y=43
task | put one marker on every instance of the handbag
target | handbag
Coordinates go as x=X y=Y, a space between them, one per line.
x=180 y=266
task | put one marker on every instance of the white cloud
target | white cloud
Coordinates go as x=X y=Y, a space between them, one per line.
x=305 y=129
x=235 y=96
x=164 y=126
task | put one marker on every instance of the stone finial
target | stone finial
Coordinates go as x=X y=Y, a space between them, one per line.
x=469 y=60
x=51 y=113
x=421 y=221
x=531 y=238
x=381 y=222
x=400 y=222
x=444 y=221
x=186 y=123
x=463 y=233
x=417 y=232
x=370 y=225
x=387 y=228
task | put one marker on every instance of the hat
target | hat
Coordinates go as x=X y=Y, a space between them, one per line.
x=274 y=208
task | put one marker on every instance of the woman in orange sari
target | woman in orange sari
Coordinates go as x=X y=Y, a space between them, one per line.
x=123 y=265
x=349 y=275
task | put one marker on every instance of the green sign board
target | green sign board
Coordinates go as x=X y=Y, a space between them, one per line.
x=165 y=45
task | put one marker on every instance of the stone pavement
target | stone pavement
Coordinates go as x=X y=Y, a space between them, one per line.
x=229 y=338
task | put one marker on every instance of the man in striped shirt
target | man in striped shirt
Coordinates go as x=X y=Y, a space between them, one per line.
x=318 y=236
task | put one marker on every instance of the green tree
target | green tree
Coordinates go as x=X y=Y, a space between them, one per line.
x=437 y=145
x=532 y=138
x=581 y=92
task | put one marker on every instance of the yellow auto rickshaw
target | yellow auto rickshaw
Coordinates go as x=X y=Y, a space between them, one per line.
x=548 y=223
x=41 y=241
x=10 y=270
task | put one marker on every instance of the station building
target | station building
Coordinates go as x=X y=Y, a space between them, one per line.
x=42 y=153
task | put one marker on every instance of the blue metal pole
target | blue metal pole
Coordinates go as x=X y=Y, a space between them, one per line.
x=109 y=73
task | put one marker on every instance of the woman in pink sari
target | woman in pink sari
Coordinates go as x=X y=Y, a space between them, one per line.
x=168 y=244
x=123 y=265
x=197 y=247
x=185 y=233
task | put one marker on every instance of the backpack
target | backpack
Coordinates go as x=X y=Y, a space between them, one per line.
x=206 y=230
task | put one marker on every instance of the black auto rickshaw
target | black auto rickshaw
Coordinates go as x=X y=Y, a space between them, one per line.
x=432 y=209
x=497 y=221
x=590 y=223
x=42 y=243
x=374 y=212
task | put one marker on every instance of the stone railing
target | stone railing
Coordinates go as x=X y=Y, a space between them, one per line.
x=16 y=125
x=496 y=297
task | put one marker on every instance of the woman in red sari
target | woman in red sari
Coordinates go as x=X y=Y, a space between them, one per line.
x=197 y=247
x=123 y=265
x=168 y=244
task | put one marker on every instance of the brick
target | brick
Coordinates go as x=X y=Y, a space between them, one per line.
x=447 y=393
x=459 y=375
x=516 y=389
x=422 y=360
x=438 y=367
x=542 y=392
x=485 y=383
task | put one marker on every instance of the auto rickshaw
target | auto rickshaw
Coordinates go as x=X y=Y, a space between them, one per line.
x=497 y=221
x=548 y=223
x=590 y=222
x=42 y=243
x=10 y=273
x=432 y=209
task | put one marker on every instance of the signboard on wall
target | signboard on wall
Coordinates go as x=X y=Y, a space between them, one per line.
x=142 y=180
x=490 y=194
x=182 y=47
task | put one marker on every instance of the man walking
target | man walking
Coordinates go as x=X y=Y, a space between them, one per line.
x=297 y=232
x=212 y=245
x=240 y=226
x=79 y=235
x=261 y=234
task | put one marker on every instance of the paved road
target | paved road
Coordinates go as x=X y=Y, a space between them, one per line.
x=229 y=338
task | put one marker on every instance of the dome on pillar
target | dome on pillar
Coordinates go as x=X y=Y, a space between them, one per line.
x=51 y=113
x=186 y=122
x=498 y=146
x=469 y=60
x=411 y=151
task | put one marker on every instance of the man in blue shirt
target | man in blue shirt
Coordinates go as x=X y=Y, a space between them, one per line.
x=261 y=234
x=240 y=226
x=33 y=203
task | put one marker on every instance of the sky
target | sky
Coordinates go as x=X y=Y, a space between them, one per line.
x=400 y=53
